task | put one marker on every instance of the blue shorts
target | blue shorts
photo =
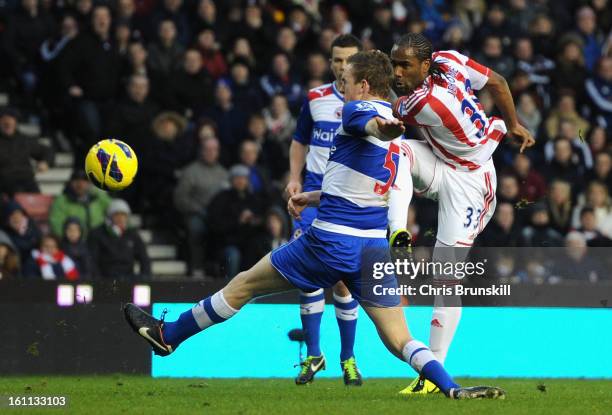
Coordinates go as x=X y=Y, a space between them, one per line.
x=319 y=259
x=301 y=226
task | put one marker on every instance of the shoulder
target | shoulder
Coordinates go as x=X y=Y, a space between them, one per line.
x=415 y=101
x=320 y=92
x=452 y=56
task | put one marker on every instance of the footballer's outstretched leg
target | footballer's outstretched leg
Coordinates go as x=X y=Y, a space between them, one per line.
x=165 y=337
x=393 y=331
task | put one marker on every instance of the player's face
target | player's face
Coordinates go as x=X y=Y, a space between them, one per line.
x=353 y=90
x=339 y=60
x=409 y=71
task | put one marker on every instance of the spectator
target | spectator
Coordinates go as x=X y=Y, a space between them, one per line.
x=559 y=203
x=599 y=90
x=199 y=182
x=602 y=171
x=565 y=111
x=166 y=54
x=259 y=176
x=90 y=75
x=123 y=35
x=317 y=67
x=230 y=119
x=256 y=27
x=539 y=233
x=206 y=17
x=502 y=231
x=191 y=87
x=597 y=198
x=24 y=34
x=538 y=67
x=576 y=264
x=565 y=164
x=134 y=115
x=588 y=229
x=22 y=230
x=279 y=121
x=571 y=72
x=242 y=49
x=52 y=53
x=586 y=25
x=234 y=217
x=16 y=174
x=542 y=34
x=273 y=154
x=173 y=10
x=582 y=152
x=73 y=244
x=245 y=92
x=286 y=42
x=497 y=25
x=49 y=262
x=276 y=233
x=10 y=266
x=164 y=155
x=80 y=200
x=212 y=58
x=508 y=190
x=532 y=186
x=280 y=80
x=380 y=34
x=455 y=39
x=528 y=113
x=598 y=142
x=492 y=56
x=115 y=248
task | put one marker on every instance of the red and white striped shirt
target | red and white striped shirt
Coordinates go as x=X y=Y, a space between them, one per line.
x=450 y=116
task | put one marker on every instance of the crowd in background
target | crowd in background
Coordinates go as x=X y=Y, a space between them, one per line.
x=207 y=93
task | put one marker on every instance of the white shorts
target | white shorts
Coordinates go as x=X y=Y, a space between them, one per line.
x=466 y=199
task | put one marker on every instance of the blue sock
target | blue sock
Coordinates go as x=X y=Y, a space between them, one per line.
x=311 y=311
x=209 y=311
x=423 y=361
x=346 y=314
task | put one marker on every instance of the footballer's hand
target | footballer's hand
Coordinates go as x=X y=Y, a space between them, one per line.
x=523 y=135
x=42 y=167
x=391 y=128
x=296 y=204
x=293 y=187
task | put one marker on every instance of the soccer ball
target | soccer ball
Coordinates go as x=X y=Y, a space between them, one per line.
x=111 y=165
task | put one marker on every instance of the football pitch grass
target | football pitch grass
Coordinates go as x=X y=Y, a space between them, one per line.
x=123 y=394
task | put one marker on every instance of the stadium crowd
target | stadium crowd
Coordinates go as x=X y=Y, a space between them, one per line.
x=208 y=92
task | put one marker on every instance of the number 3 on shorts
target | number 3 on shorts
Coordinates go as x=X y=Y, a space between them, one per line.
x=472 y=222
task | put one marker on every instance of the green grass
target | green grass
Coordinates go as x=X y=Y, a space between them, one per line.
x=121 y=394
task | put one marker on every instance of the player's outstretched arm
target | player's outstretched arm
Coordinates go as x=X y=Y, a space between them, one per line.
x=297 y=203
x=498 y=87
x=385 y=130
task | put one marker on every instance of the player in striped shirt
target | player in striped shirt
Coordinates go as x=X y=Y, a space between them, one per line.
x=453 y=164
x=346 y=239
x=319 y=118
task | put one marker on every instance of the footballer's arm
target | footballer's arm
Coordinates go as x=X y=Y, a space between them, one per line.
x=298 y=202
x=499 y=90
x=385 y=130
x=297 y=160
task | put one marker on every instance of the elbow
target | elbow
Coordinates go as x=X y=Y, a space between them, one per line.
x=496 y=81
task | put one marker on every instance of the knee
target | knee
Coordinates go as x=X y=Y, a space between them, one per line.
x=340 y=290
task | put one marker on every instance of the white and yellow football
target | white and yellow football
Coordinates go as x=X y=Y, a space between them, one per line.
x=111 y=164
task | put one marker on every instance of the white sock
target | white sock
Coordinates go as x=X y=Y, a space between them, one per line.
x=400 y=194
x=417 y=355
x=212 y=310
x=444 y=322
x=447 y=309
